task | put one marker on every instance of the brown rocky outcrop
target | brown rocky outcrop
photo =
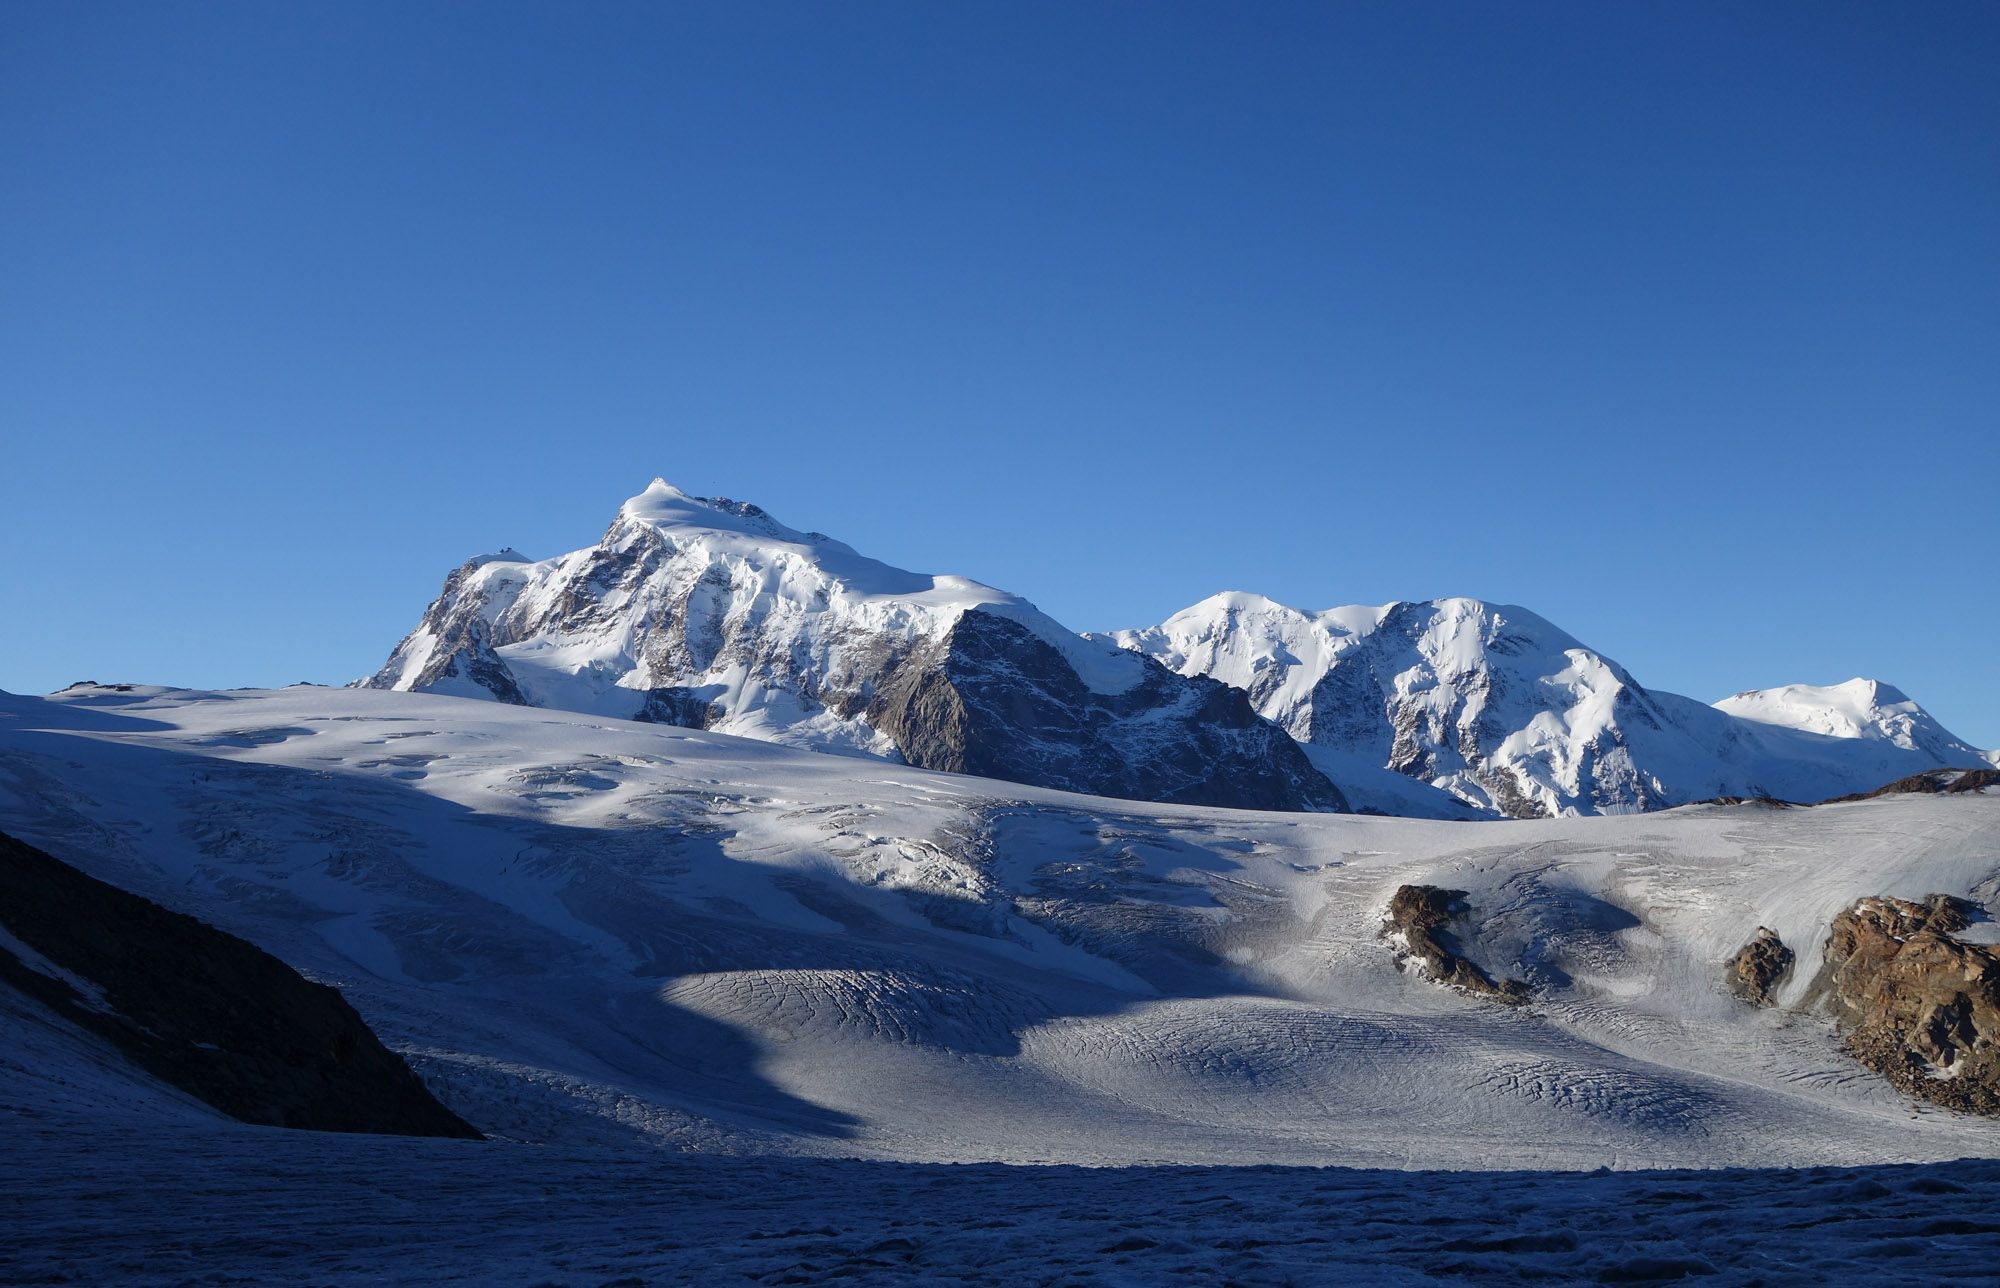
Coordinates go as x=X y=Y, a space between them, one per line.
x=1420 y=916
x=1916 y=1003
x=1935 y=782
x=1759 y=966
x=202 y=1010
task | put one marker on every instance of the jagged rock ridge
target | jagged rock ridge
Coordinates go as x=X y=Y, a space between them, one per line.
x=1935 y=782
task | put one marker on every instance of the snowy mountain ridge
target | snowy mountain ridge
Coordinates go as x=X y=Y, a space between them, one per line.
x=735 y=571
x=1512 y=715
x=709 y=613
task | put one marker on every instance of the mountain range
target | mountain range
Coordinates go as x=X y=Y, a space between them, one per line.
x=709 y=613
x=1510 y=715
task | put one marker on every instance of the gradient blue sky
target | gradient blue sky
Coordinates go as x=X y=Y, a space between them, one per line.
x=1677 y=324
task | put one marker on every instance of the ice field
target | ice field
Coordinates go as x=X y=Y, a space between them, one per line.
x=615 y=946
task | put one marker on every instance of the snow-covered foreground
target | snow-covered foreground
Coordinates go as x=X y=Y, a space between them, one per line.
x=99 y=1202
x=589 y=934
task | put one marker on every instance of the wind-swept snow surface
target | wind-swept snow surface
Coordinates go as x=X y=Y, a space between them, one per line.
x=130 y=1203
x=586 y=930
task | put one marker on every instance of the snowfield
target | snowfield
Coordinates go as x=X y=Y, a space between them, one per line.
x=113 y=1203
x=597 y=938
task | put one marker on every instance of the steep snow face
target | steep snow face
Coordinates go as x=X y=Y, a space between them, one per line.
x=1512 y=715
x=710 y=613
x=1866 y=710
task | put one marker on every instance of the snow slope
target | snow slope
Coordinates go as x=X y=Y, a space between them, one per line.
x=589 y=932
x=1502 y=710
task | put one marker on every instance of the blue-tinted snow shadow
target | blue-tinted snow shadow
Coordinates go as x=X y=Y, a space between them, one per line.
x=312 y=1207
x=284 y=855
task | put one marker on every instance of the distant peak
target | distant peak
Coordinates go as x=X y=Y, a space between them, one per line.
x=1857 y=692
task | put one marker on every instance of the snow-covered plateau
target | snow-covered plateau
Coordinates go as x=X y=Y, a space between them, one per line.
x=610 y=945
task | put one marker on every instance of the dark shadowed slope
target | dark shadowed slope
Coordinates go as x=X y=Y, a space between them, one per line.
x=202 y=1010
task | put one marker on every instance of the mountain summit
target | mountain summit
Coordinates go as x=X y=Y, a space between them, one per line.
x=708 y=612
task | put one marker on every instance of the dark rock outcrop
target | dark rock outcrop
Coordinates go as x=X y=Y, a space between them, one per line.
x=1420 y=916
x=200 y=1009
x=1916 y=1003
x=1759 y=967
x=1936 y=782
x=992 y=698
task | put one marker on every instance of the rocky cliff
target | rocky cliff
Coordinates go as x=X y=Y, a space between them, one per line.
x=199 y=1009
x=1916 y=1002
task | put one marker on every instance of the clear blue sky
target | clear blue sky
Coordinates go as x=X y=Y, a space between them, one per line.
x=1678 y=324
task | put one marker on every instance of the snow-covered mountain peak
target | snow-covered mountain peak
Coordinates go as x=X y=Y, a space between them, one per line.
x=1239 y=637
x=711 y=612
x=1849 y=709
x=1508 y=712
x=1861 y=709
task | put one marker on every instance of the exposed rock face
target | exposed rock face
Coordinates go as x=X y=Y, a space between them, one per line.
x=1420 y=917
x=1759 y=967
x=200 y=1009
x=1937 y=782
x=992 y=699
x=709 y=613
x=463 y=651
x=1916 y=1003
